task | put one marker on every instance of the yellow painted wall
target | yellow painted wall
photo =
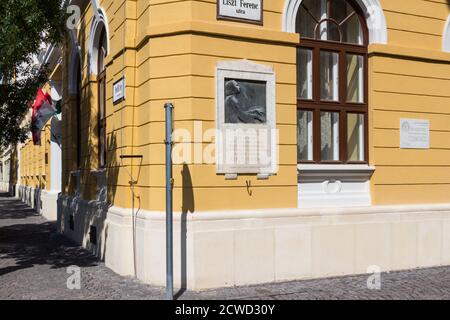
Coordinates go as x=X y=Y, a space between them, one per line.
x=171 y=49
x=416 y=23
x=119 y=138
x=177 y=63
x=412 y=88
x=35 y=161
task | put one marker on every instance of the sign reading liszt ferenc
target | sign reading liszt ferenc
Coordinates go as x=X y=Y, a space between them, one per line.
x=245 y=10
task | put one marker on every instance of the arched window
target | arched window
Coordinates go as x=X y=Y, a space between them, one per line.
x=101 y=81
x=332 y=82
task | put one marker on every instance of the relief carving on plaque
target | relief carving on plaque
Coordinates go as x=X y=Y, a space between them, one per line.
x=245 y=101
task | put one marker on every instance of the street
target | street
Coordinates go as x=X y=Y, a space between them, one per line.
x=34 y=261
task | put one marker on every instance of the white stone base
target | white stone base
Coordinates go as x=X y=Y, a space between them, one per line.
x=331 y=186
x=219 y=249
x=42 y=201
x=4 y=186
x=49 y=204
x=85 y=214
x=30 y=196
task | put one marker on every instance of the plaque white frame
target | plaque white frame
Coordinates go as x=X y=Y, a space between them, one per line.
x=119 y=96
x=406 y=141
x=245 y=70
x=224 y=12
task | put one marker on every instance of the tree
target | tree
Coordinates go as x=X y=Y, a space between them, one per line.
x=25 y=27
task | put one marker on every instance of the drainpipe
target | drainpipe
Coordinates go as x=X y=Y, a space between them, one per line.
x=169 y=202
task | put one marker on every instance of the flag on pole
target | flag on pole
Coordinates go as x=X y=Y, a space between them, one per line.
x=43 y=110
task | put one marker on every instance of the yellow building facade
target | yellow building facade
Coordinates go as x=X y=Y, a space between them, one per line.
x=36 y=169
x=359 y=152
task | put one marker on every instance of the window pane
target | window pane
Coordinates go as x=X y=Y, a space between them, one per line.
x=304 y=135
x=305 y=24
x=304 y=74
x=345 y=15
x=355 y=78
x=329 y=76
x=339 y=10
x=305 y=21
x=328 y=31
x=329 y=135
x=352 y=31
x=355 y=137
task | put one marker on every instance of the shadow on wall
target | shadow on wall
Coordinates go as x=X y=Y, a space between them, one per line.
x=113 y=167
x=84 y=208
x=112 y=176
x=98 y=217
x=80 y=137
x=188 y=205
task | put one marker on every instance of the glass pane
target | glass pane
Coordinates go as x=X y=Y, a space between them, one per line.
x=102 y=53
x=329 y=136
x=304 y=135
x=304 y=74
x=352 y=31
x=355 y=137
x=311 y=12
x=305 y=24
x=339 y=10
x=328 y=31
x=102 y=98
x=344 y=14
x=305 y=21
x=329 y=76
x=355 y=78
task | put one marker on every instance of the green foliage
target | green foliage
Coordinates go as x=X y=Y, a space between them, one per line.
x=25 y=26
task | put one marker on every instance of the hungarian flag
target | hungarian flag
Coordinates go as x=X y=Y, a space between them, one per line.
x=43 y=110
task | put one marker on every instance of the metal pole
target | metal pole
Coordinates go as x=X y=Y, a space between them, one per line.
x=169 y=203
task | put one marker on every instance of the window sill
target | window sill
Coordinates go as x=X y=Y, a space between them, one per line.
x=341 y=172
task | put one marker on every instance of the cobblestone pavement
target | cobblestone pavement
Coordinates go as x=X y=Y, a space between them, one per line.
x=34 y=261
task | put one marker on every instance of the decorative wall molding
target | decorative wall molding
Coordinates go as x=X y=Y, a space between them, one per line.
x=99 y=22
x=323 y=186
x=376 y=21
x=77 y=176
x=314 y=173
x=102 y=186
x=85 y=214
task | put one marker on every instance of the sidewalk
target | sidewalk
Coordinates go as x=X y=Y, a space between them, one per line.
x=34 y=261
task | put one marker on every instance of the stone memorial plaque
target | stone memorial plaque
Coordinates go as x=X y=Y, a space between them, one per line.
x=414 y=134
x=247 y=136
x=250 y=11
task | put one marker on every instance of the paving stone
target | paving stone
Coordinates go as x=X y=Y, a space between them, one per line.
x=34 y=260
